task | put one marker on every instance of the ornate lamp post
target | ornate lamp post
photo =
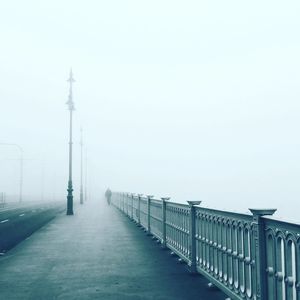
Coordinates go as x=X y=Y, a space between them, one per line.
x=81 y=169
x=70 y=104
x=85 y=177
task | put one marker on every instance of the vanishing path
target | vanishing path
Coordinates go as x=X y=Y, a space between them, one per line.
x=96 y=254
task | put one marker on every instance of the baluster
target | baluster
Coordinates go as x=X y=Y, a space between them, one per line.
x=229 y=252
x=176 y=227
x=289 y=280
x=187 y=250
x=201 y=236
x=223 y=251
x=182 y=235
x=197 y=240
x=279 y=268
x=215 y=247
x=172 y=231
x=219 y=271
x=172 y=226
x=240 y=248
x=178 y=223
x=212 y=245
x=234 y=253
x=247 y=261
x=205 y=241
x=209 y=250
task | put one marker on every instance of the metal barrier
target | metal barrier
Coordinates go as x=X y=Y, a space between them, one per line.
x=247 y=256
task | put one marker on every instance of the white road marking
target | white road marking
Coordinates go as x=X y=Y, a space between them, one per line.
x=21 y=215
x=4 y=221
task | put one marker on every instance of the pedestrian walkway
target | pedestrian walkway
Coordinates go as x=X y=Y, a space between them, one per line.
x=96 y=254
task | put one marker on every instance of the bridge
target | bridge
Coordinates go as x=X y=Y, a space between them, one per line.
x=141 y=247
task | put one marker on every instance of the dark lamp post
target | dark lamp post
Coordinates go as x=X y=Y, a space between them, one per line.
x=81 y=168
x=71 y=108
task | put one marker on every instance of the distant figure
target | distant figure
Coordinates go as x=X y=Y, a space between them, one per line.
x=108 y=196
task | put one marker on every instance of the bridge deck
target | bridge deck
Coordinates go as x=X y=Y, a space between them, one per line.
x=96 y=254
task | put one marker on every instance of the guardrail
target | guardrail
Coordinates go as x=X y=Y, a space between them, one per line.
x=246 y=256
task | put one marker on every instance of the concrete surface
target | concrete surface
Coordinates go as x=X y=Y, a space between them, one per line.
x=96 y=254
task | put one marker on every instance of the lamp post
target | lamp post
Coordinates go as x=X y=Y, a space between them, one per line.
x=85 y=177
x=70 y=104
x=21 y=168
x=81 y=170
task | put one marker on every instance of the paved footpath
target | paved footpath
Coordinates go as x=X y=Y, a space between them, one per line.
x=96 y=254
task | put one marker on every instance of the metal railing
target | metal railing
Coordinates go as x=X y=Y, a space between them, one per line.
x=247 y=256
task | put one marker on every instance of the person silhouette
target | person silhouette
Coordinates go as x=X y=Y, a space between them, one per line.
x=108 y=194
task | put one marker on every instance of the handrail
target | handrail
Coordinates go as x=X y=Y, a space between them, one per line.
x=247 y=256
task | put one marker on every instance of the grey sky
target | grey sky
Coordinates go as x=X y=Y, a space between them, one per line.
x=192 y=99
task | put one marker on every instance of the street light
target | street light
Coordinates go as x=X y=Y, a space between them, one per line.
x=70 y=104
x=21 y=168
x=85 y=177
x=81 y=170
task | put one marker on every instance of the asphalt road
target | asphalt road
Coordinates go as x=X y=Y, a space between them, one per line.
x=19 y=221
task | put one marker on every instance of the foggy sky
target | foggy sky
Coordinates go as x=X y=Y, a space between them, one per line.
x=197 y=100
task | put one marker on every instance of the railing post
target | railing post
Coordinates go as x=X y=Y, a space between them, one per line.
x=260 y=280
x=132 y=197
x=127 y=198
x=192 y=236
x=149 y=197
x=139 y=208
x=126 y=203
x=164 y=227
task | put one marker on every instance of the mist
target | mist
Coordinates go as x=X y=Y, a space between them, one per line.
x=193 y=100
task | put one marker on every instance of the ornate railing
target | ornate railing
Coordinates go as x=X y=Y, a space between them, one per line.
x=247 y=256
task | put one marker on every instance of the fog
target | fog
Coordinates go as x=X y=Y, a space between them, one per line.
x=197 y=100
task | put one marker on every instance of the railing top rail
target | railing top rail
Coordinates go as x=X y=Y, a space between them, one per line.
x=227 y=214
x=181 y=205
x=272 y=222
x=156 y=201
x=282 y=225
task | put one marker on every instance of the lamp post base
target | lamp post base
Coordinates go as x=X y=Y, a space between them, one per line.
x=70 y=199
